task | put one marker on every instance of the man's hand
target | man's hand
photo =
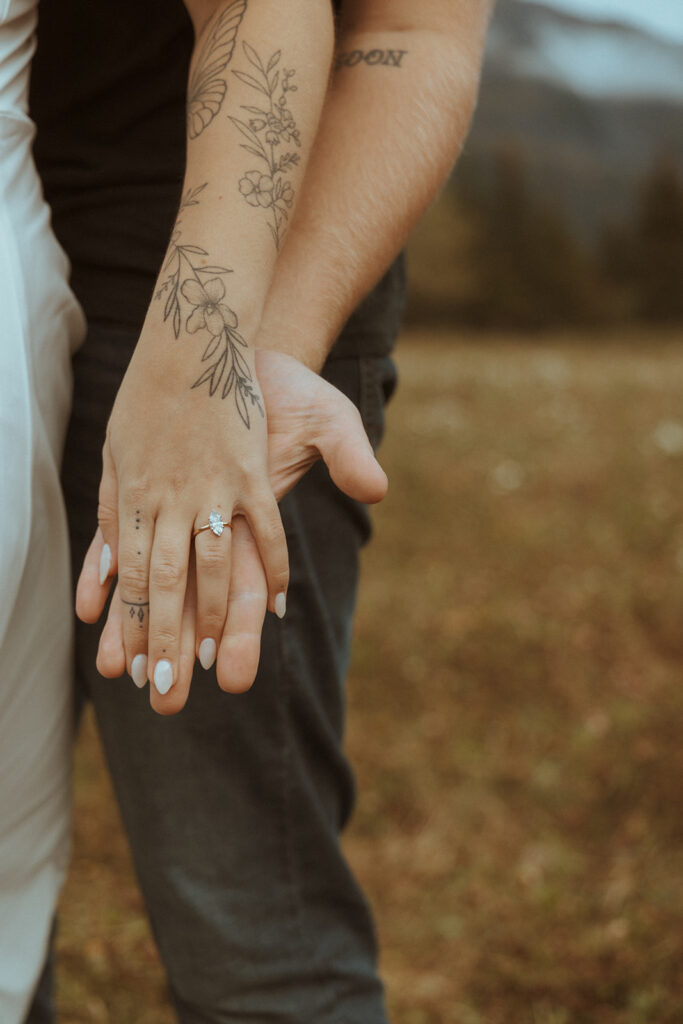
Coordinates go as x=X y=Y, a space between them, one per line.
x=307 y=419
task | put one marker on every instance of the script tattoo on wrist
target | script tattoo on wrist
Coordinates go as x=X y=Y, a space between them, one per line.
x=270 y=125
x=207 y=87
x=382 y=58
x=194 y=293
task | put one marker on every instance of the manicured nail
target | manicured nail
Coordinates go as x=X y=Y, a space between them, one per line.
x=280 y=606
x=163 y=676
x=138 y=670
x=207 y=653
x=105 y=563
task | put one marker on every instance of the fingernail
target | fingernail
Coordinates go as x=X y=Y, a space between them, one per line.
x=207 y=653
x=280 y=606
x=138 y=670
x=105 y=563
x=163 y=676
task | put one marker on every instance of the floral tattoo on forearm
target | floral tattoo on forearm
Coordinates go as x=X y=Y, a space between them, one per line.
x=269 y=126
x=207 y=87
x=195 y=292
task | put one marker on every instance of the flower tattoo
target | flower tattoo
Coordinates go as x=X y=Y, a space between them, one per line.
x=270 y=125
x=209 y=312
x=257 y=188
x=195 y=291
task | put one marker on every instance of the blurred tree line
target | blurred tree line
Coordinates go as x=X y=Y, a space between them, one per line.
x=492 y=254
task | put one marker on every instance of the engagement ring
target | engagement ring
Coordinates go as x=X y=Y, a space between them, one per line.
x=215 y=524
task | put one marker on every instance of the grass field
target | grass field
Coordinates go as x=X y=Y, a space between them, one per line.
x=516 y=704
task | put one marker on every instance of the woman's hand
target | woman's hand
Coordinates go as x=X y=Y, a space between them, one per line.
x=240 y=646
x=172 y=456
x=307 y=418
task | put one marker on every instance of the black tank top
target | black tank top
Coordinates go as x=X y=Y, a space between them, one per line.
x=108 y=88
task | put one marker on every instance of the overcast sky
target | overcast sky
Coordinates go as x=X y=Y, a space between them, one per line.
x=662 y=16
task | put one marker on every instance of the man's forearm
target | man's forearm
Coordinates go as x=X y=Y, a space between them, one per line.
x=394 y=121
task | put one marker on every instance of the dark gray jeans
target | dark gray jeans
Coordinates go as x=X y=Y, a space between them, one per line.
x=234 y=807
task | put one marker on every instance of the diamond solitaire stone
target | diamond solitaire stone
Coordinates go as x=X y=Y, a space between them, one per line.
x=216 y=522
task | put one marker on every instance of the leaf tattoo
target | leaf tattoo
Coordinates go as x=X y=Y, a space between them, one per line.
x=269 y=125
x=207 y=86
x=196 y=291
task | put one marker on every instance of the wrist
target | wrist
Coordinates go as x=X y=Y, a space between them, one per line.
x=310 y=348
x=304 y=312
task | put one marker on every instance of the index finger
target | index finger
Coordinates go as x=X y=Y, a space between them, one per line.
x=91 y=593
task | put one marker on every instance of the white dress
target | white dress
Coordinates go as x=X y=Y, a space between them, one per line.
x=40 y=325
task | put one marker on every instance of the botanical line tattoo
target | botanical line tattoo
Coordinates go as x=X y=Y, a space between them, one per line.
x=136 y=609
x=207 y=87
x=195 y=291
x=269 y=125
x=388 y=58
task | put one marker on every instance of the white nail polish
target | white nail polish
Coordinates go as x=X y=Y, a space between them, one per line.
x=280 y=606
x=207 y=653
x=105 y=563
x=163 y=676
x=138 y=670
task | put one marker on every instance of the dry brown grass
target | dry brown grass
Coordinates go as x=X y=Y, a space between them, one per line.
x=515 y=704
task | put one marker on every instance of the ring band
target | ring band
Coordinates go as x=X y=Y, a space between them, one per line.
x=215 y=524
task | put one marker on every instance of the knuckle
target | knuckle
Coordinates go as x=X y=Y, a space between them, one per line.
x=177 y=483
x=106 y=514
x=167 y=575
x=281 y=579
x=211 y=558
x=132 y=578
x=271 y=528
x=135 y=494
x=213 y=620
x=253 y=474
x=254 y=595
x=164 y=638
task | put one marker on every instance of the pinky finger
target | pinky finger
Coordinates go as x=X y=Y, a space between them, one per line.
x=266 y=526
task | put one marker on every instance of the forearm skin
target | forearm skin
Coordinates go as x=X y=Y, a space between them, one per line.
x=391 y=130
x=257 y=83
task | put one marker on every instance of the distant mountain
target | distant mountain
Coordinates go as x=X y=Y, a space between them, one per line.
x=598 y=58
x=587 y=103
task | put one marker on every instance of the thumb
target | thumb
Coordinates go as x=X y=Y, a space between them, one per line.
x=349 y=457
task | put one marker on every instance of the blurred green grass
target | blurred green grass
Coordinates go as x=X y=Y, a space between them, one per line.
x=515 y=703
